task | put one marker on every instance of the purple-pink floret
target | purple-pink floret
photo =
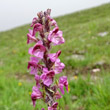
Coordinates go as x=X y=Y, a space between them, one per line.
x=53 y=56
x=33 y=65
x=43 y=64
x=58 y=66
x=34 y=21
x=36 y=94
x=53 y=107
x=38 y=50
x=55 y=36
x=37 y=27
x=37 y=79
x=47 y=76
x=31 y=38
x=52 y=21
x=58 y=95
x=63 y=82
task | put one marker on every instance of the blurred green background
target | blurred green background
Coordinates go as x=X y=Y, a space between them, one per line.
x=86 y=54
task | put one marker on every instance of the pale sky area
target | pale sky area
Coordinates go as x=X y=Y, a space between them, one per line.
x=15 y=13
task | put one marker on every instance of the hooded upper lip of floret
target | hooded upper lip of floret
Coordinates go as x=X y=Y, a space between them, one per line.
x=37 y=27
x=31 y=38
x=34 y=21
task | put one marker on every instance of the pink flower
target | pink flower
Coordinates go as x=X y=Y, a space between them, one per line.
x=47 y=76
x=52 y=21
x=34 y=21
x=54 y=56
x=53 y=107
x=37 y=27
x=38 y=50
x=37 y=78
x=55 y=36
x=36 y=94
x=58 y=66
x=58 y=95
x=63 y=82
x=33 y=65
x=31 y=38
x=43 y=64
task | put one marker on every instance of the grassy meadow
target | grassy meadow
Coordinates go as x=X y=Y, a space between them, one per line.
x=86 y=54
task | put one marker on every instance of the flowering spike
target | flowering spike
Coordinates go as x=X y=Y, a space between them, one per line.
x=43 y=64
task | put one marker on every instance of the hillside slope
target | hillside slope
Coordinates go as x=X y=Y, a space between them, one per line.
x=80 y=30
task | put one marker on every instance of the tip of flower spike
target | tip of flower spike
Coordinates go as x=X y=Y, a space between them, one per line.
x=48 y=11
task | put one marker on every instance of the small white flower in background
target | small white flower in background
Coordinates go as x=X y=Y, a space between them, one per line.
x=102 y=34
x=96 y=70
